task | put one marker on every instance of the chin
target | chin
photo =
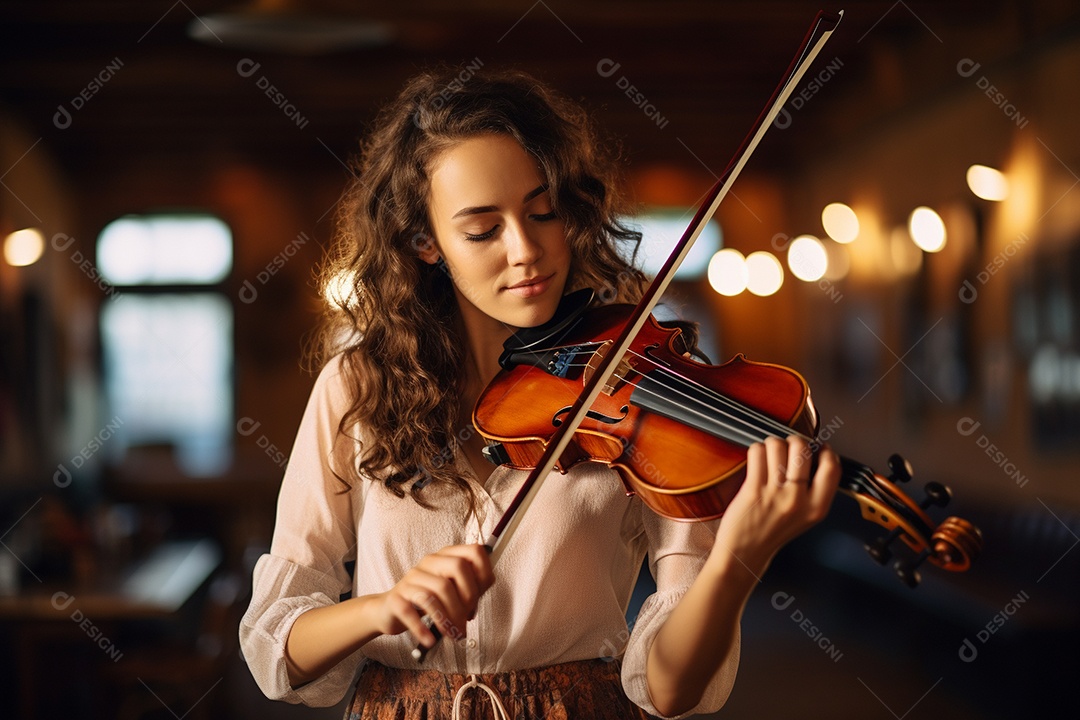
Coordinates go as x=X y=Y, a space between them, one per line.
x=532 y=316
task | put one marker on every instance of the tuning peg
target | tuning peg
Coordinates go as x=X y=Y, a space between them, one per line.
x=899 y=469
x=879 y=548
x=907 y=570
x=936 y=494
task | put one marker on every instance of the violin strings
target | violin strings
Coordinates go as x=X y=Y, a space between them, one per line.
x=765 y=424
x=754 y=415
x=861 y=476
x=746 y=422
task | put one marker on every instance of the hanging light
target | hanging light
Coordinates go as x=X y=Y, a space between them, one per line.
x=807 y=258
x=727 y=272
x=988 y=183
x=764 y=273
x=24 y=247
x=927 y=229
x=840 y=222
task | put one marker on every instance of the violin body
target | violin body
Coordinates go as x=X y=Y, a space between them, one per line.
x=682 y=471
x=676 y=430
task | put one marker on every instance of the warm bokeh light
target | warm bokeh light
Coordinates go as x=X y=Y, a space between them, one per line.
x=1030 y=194
x=905 y=256
x=807 y=259
x=988 y=183
x=764 y=273
x=839 y=261
x=24 y=247
x=927 y=229
x=727 y=272
x=840 y=222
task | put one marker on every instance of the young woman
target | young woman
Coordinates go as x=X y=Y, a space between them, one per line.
x=476 y=206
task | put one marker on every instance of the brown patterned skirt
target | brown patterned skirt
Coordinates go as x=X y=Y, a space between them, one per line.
x=583 y=689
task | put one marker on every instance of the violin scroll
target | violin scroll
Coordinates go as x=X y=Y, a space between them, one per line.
x=952 y=545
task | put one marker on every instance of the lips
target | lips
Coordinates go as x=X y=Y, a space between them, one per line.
x=531 y=287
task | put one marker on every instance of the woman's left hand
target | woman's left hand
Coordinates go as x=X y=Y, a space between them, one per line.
x=778 y=500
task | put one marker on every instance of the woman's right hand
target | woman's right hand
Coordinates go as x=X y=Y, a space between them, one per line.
x=445 y=585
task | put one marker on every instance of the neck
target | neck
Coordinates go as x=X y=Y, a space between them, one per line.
x=485 y=337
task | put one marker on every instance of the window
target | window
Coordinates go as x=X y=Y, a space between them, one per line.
x=167 y=336
x=661 y=229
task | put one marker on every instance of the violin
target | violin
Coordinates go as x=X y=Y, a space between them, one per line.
x=676 y=429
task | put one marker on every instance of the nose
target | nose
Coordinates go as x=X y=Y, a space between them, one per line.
x=521 y=247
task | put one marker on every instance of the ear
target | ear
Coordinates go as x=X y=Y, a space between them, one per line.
x=426 y=248
x=430 y=255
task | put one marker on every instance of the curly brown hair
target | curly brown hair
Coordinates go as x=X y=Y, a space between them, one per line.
x=393 y=318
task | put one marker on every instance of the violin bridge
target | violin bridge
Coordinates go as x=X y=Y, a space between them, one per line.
x=622 y=370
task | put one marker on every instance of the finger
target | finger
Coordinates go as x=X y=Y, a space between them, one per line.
x=798 y=461
x=776 y=450
x=438 y=595
x=408 y=614
x=826 y=478
x=756 y=465
x=478 y=558
x=459 y=570
x=485 y=573
x=456 y=564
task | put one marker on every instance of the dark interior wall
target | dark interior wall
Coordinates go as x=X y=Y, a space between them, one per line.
x=1001 y=250
x=905 y=150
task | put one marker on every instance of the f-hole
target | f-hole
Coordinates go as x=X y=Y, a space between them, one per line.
x=648 y=352
x=556 y=421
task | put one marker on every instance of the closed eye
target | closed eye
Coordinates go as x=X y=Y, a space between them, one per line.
x=482 y=236
x=545 y=217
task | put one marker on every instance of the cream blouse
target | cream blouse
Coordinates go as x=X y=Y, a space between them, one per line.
x=561 y=588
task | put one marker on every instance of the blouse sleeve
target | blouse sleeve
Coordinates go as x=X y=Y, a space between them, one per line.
x=677 y=552
x=314 y=536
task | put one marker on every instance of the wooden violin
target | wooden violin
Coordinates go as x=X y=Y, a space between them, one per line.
x=676 y=429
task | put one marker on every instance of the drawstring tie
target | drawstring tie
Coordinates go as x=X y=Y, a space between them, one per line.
x=496 y=704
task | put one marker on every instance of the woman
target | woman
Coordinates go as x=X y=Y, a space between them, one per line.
x=475 y=208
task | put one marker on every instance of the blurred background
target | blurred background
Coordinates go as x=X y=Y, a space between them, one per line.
x=907 y=237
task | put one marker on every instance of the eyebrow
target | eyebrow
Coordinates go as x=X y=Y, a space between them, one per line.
x=491 y=208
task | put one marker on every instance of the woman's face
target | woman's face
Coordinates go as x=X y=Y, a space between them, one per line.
x=491 y=216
